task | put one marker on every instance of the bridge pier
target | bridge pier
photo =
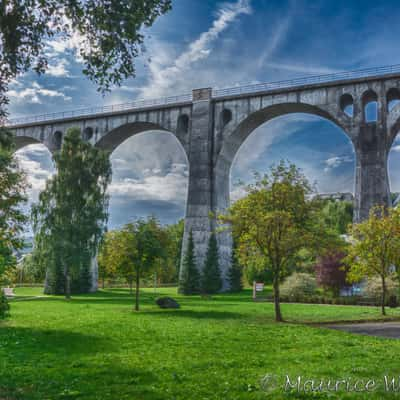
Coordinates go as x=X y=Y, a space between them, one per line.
x=199 y=200
x=372 y=185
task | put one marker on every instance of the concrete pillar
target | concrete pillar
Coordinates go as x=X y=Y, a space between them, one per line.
x=199 y=199
x=372 y=181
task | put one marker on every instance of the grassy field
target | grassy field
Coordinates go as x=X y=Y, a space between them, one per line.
x=96 y=347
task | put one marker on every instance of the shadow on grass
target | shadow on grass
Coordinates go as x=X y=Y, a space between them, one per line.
x=216 y=315
x=28 y=343
x=55 y=380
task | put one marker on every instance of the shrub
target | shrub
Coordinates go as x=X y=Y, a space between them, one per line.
x=4 y=306
x=298 y=286
x=330 y=272
x=393 y=302
x=373 y=288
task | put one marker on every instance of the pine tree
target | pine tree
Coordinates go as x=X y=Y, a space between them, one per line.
x=190 y=283
x=211 y=279
x=235 y=273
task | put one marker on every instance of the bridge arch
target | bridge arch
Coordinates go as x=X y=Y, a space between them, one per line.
x=113 y=138
x=241 y=132
x=150 y=171
x=232 y=143
x=23 y=141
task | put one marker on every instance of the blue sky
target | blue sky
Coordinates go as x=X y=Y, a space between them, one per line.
x=221 y=44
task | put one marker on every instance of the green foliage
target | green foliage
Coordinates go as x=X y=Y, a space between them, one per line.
x=13 y=195
x=190 y=280
x=4 y=306
x=274 y=222
x=29 y=271
x=70 y=217
x=297 y=285
x=109 y=36
x=337 y=215
x=133 y=251
x=373 y=288
x=211 y=276
x=375 y=247
x=235 y=273
x=257 y=273
x=170 y=271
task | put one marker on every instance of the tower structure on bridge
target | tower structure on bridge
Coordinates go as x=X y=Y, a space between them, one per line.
x=211 y=125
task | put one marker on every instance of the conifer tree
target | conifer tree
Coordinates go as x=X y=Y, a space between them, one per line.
x=211 y=279
x=190 y=282
x=235 y=273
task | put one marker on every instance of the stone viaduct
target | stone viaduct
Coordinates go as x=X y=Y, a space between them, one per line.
x=211 y=125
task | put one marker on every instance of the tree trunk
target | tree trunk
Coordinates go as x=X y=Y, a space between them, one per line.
x=67 y=285
x=130 y=286
x=383 y=295
x=103 y=284
x=137 y=292
x=278 y=315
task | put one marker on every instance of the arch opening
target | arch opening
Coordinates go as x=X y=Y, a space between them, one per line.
x=337 y=157
x=392 y=98
x=87 y=133
x=183 y=124
x=370 y=106
x=150 y=177
x=57 y=139
x=226 y=117
x=37 y=163
x=347 y=104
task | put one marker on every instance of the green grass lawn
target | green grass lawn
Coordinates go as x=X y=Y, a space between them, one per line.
x=96 y=347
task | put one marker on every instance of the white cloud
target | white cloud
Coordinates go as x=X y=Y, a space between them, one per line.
x=304 y=69
x=171 y=187
x=163 y=77
x=273 y=42
x=35 y=161
x=262 y=138
x=336 y=161
x=396 y=148
x=58 y=69
x=35 y=94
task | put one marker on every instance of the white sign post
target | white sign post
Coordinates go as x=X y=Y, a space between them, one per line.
x=257 y=287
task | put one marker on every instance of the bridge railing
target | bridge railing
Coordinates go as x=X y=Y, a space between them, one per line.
x=82 y=112
x=308 y=80
x=216 y=93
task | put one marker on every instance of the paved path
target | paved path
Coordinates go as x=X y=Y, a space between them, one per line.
x=383 y=329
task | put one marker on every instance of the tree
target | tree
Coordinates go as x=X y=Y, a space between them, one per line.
x=174 y=252
x=134 y=250
x=331 y=271
x=337 y=215
x=13 y=196
x=375 y=247
x=274 y=221
x=71 y=215
x=116 y=253
x=211 y=278
x=190 y=282
x=108 y=36
x=107 y=268
x=30 y=271
x=235 y=273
